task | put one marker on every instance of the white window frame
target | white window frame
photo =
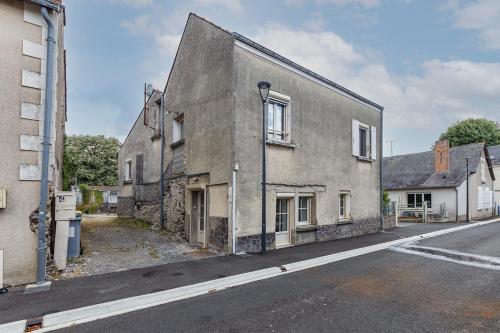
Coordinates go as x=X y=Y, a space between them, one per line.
x=273 y=134
x=370 y=153
x=422 y=194
x=128 y=170
x=347 y=205
x=308 y=198
x=178 y=129
x=367 y=151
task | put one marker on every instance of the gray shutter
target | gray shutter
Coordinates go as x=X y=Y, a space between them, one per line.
x=373 y=143
x=355 y=137
x=139 y=167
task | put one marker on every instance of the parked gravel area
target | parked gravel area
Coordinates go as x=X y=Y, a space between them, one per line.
x=112 y=244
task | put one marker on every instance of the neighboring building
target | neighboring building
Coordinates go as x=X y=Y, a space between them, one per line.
x=495 y=161
x=439 y=178
x=23 y=60
x=107 y=196
x=323 y=149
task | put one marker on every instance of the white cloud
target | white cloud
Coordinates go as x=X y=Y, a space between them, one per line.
x=131 y=3
x=339 y=3
x=442 y=92
x=482 y=16
x=364 y=3
x=233 y=6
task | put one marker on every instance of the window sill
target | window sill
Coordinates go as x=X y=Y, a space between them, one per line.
x=345 y=221
x=305 y=227
x=177 y=143
x=364 y=159
x=280 y=144
x=126 y=182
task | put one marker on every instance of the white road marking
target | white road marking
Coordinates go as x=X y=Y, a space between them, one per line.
x=90 y=313
x=486 y=262
x=14 y=327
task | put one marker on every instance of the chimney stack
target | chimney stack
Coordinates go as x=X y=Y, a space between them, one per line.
x=441 y=156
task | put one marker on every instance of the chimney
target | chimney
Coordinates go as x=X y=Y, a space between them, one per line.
x=441 y=156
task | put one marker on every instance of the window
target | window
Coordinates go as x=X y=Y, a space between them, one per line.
x=282 y=214
x=344 y=206
x=416 y=199
x=128 y=171
x=364 y=141
x=304 y=210
x=178 y=130
x=277 y=121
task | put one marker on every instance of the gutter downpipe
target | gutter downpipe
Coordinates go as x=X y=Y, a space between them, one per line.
x=233 y=207
x=162 y=149
x=381 y=169
x=41 y=249
x=456 y=204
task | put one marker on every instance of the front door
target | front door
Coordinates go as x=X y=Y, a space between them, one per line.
x=198 y=214
x=282 y=222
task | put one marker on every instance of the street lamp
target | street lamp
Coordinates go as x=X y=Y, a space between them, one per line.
x=467 y=159
x=264 y=93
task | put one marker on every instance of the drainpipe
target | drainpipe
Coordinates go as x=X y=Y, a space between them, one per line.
x=233 y=207
x=162 y=149
x=41 y=250
x=381 y=169
x=456 y=204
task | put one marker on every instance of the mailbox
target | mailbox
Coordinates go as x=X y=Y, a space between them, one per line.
x=65 y=205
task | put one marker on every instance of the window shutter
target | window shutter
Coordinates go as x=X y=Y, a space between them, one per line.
x=355 y=137
x=480 y=197
x=373 y=143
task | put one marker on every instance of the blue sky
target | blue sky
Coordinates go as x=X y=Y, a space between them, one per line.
x=429 y=63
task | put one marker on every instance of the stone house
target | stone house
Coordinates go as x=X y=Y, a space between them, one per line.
x=439 y=178
x=323 y=149
x=23 y=68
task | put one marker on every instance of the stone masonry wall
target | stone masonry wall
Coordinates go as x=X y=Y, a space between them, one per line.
x=252 y=243
x=218 y=232
x=174 y=205
x=356 y=228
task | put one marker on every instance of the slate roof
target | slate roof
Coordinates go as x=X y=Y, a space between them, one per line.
x=415 y=171
x=494 y=154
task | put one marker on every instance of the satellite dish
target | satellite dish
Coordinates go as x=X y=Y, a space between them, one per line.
x=149 y=90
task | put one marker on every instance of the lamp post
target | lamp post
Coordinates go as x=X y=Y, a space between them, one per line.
x=467 y=159
x=264 y=93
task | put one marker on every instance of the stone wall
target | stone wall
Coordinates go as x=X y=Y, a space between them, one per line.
x=218 y=232
x=356 y=228
x=148 y=212
x=126 y=206
x=252 y=243
x=174 y=205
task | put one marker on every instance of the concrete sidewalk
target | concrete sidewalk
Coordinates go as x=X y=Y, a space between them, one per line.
x=80 y=292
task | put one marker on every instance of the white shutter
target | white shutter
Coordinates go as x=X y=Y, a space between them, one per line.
x=373 y=143
x=355 y=137
x=487 y=200
x=480 y=197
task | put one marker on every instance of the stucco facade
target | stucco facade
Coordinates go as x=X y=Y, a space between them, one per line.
x=212 y=90
x=23 y=69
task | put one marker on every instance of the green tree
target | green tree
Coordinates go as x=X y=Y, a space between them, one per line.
x=91 y=160
x=472 y=131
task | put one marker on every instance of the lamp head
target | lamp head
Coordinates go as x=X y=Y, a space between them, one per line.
x=264 y=87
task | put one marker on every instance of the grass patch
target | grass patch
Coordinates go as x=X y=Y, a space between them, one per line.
x=131 y=222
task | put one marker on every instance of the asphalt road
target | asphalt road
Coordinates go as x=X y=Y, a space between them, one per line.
x=383 y=291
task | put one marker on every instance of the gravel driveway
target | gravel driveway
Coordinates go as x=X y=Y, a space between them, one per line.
x=113 y=244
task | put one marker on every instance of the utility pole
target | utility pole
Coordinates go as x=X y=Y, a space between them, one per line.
x=390 y=142
x=467 y=219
